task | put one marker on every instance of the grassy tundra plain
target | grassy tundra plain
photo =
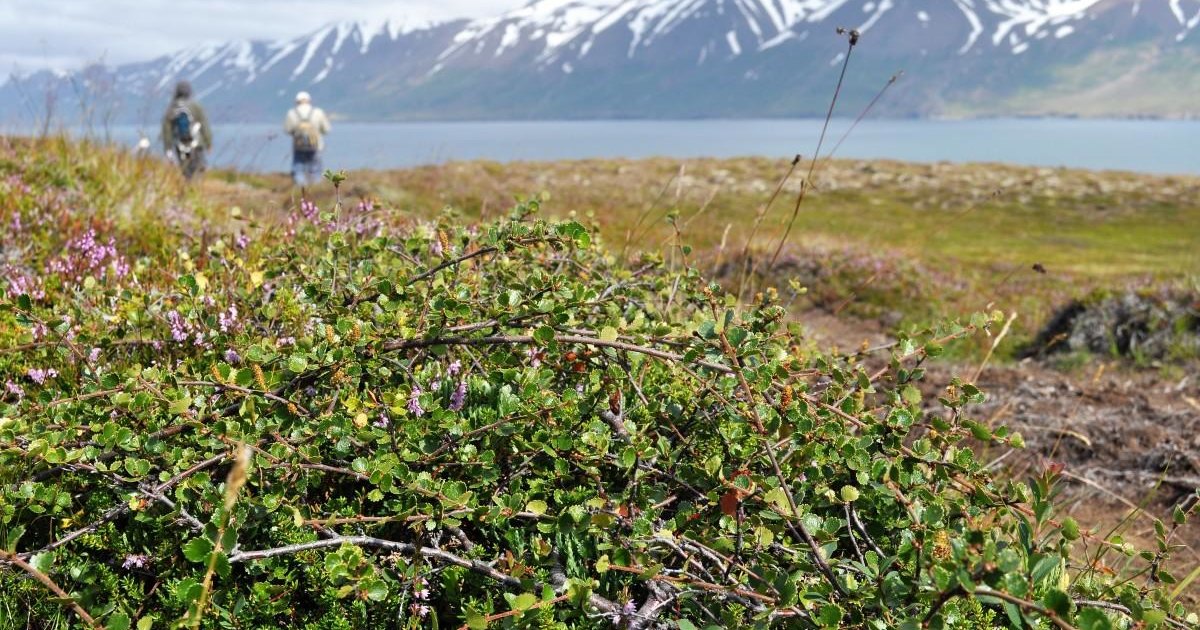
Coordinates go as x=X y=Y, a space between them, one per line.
x=413 y=401
x=899 y=242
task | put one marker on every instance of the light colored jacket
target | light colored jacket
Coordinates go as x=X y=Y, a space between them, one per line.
x=315 y=115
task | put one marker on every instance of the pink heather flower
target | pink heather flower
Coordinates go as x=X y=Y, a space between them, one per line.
x=232 y=357
x=94 y=355
x=135 y=561
x=383 y=421
x=39 y=375
x=39 y=331
x=459 y=397
x=180 y=329
x=421 y=594
x=20 y=283
x=14 y=389
x=85 y=256
x=228 y=319
x=454 y=368
x=627 y=612
x=420 y=610
x=241 y=241
x=285 y=342
x=309 y=210
x=414 y=402
x=435 y=247
x=535 y=357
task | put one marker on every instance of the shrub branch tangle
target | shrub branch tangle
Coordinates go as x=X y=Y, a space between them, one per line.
x=494 y=426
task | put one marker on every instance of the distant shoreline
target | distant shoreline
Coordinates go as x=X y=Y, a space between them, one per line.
x=1153 y=146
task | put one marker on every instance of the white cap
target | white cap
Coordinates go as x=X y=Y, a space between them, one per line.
x=303 y=97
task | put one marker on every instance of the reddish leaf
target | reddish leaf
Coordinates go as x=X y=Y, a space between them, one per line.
x=729 y=503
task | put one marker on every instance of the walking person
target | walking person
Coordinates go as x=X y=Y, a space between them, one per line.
x=186 y=134
x=307 y=125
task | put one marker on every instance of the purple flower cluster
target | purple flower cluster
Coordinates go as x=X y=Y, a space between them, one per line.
x=135 y=561
x=241 y=241
x=14 y=389
x=414 y=402
x=39 y=375
x=93 y=355
x=15 y=184
x=228 y=320
x=85 y=256
x=420 y=595
x=459 y=397
x=309 y=210
x=535 y=357
x=20 y=283
x=232 y=357
x=180 y=328
x=383 y=422
x=627 y=613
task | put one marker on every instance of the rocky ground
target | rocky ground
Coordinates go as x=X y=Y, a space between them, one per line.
x=1128 y=438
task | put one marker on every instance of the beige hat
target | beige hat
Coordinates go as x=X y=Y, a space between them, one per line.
x=303 y=97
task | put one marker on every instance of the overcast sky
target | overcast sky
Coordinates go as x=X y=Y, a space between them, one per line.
x=65 y=34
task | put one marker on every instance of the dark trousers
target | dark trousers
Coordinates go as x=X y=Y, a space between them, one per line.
x=306 y=168
x=192 y=163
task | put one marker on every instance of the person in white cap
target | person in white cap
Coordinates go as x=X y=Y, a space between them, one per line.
x=307 y=125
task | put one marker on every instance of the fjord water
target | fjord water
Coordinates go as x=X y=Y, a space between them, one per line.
x=1150 y=146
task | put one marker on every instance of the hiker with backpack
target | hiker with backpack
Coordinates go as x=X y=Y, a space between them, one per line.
x=186 y=135
x=307 y=125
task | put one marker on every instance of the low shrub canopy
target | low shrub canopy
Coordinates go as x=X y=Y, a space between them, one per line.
x=346 y=421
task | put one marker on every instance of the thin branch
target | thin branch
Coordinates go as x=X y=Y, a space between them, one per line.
x=430 y=553
x=123 y=507
x=1026 y=604
x=49 y=583
x=499 y=340
x=1089 y=603
x=249 y=392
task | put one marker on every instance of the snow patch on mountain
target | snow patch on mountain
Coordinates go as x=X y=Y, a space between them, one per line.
x=1189 y=23
x=1026 y=19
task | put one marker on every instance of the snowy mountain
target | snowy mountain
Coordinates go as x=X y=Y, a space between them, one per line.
x=686 y=58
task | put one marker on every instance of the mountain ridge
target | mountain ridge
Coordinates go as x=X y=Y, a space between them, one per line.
x=685 y=58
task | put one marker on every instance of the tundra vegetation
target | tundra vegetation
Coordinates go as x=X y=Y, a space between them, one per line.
x=347 y=417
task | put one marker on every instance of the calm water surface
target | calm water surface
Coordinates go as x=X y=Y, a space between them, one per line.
x=1167 y=147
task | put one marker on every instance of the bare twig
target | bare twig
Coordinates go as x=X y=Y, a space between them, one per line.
x=50 y=584
x=499 y=340
x=431 y=553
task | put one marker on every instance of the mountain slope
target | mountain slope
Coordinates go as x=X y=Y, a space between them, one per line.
x=686 y=58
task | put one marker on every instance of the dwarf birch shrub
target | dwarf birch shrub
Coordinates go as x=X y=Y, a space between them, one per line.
x=347 y=422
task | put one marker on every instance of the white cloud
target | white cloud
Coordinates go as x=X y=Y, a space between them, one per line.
x=64 y=34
